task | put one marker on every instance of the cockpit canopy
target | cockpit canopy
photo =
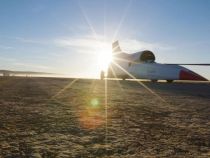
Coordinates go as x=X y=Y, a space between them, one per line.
x=147 y=56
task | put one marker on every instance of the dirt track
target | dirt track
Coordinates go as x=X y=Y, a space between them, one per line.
x=46 y=117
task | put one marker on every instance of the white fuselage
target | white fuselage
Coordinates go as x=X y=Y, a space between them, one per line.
x=151 y=71
x=142 y=65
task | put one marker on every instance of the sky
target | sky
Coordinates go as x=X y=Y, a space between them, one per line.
x=67 y=36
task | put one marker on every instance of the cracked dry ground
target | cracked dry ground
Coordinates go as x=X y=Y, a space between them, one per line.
x=49 y=117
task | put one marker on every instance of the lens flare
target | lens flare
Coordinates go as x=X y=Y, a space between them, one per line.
x=94 y=102
x=93 y=115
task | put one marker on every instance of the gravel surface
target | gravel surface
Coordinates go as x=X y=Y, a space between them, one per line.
x=52 y=117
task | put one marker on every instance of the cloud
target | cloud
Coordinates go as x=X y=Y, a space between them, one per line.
x=20 y=39
x=5 y=47
x=90 y=44
x=85 y=44
x=94 y=43
x=132 y=45
x=31 y=41
x=28 y=65
x=7 y=59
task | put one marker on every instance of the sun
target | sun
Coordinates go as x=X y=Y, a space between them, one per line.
x=104 y=58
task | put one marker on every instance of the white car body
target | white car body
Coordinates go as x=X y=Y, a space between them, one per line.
x=142 y=65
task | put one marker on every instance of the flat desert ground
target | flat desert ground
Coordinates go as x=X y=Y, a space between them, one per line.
x=55 y=117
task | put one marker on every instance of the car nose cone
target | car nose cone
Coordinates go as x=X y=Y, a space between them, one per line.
x=189 y=75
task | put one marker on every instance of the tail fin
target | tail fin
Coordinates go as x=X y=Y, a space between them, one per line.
x=116 y=47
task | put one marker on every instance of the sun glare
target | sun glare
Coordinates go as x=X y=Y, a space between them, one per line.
x=104 y=58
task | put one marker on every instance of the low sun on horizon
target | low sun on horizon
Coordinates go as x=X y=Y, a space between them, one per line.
x=104 y=57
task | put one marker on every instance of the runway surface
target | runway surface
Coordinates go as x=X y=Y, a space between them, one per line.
x=51 y=117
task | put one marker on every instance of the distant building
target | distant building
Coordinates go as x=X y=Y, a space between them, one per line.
x=6 y=74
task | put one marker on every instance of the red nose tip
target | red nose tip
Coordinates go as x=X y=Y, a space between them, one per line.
x=189 y=75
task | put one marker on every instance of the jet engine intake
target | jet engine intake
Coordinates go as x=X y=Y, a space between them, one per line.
x=143 y=56
x=147 y=56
